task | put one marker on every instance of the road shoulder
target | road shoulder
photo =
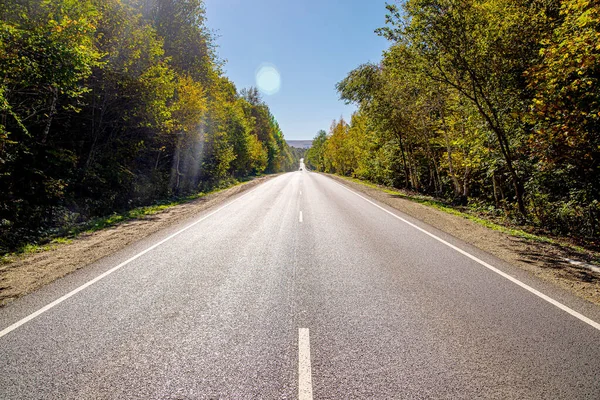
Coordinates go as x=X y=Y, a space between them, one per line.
x=29 y=272
x=546 y=261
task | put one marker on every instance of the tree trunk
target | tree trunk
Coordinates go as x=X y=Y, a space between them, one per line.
x=466 y=180
x=517 y=184
x=437 y=173
x=157 y=159
x=404 y=163
x=178 y=172
x=495 y=187
x=414 y=175
x=51 y=115
x=450 y=163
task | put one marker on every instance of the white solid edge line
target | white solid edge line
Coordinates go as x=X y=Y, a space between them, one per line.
x=110 y=271
x=304 y=368
x=541 y=295
x=300 y=217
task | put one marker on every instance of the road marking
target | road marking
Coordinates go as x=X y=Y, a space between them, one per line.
x=110 y=271
x=300 y=217
x=304 y=368
x=301 y=193
x=514 y=280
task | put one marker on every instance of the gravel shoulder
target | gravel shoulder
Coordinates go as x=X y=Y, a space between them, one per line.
x=29 y=272
x=546 y=261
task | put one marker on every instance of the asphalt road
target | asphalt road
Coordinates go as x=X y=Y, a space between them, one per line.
x=299 y=288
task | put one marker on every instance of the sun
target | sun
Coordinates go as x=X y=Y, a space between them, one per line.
x=268 y=79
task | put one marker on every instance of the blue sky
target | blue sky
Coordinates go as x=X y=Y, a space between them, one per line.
x=312 y=43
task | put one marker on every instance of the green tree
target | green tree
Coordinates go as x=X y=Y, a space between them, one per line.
x=46 y=50
x=482 y=49
x=315 y=155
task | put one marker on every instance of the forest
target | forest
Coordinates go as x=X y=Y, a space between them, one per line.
x=487 y=104
x=106 y=105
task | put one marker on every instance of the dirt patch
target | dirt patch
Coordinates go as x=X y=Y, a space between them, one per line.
x=544 y=260
x=32 y=271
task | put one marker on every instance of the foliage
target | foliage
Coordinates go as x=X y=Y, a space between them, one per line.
x=108 y=105
x=315 y=154
x=482 y=102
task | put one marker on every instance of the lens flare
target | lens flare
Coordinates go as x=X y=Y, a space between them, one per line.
x=268 y=79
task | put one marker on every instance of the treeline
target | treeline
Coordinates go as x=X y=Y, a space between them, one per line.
x=110 y=104
x=298 y=153
x=491 y=103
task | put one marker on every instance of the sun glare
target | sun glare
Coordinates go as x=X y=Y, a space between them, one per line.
x=268 y=79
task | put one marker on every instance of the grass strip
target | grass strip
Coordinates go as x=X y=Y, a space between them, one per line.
x=68 y=234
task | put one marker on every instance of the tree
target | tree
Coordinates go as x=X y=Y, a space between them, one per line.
x=46 y=50
x=481 y=49
x=106 y=105
x=565 y=113
x=315 y=155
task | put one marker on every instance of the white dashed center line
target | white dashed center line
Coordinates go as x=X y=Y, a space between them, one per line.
x=300 y=217
x=304 y=369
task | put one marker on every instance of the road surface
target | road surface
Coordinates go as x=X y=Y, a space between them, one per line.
x=303 y=289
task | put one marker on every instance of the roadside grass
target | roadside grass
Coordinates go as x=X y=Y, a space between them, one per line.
x=67 y=235
x=440 y=205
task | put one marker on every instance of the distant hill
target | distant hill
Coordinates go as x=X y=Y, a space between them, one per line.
x=300 y=144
